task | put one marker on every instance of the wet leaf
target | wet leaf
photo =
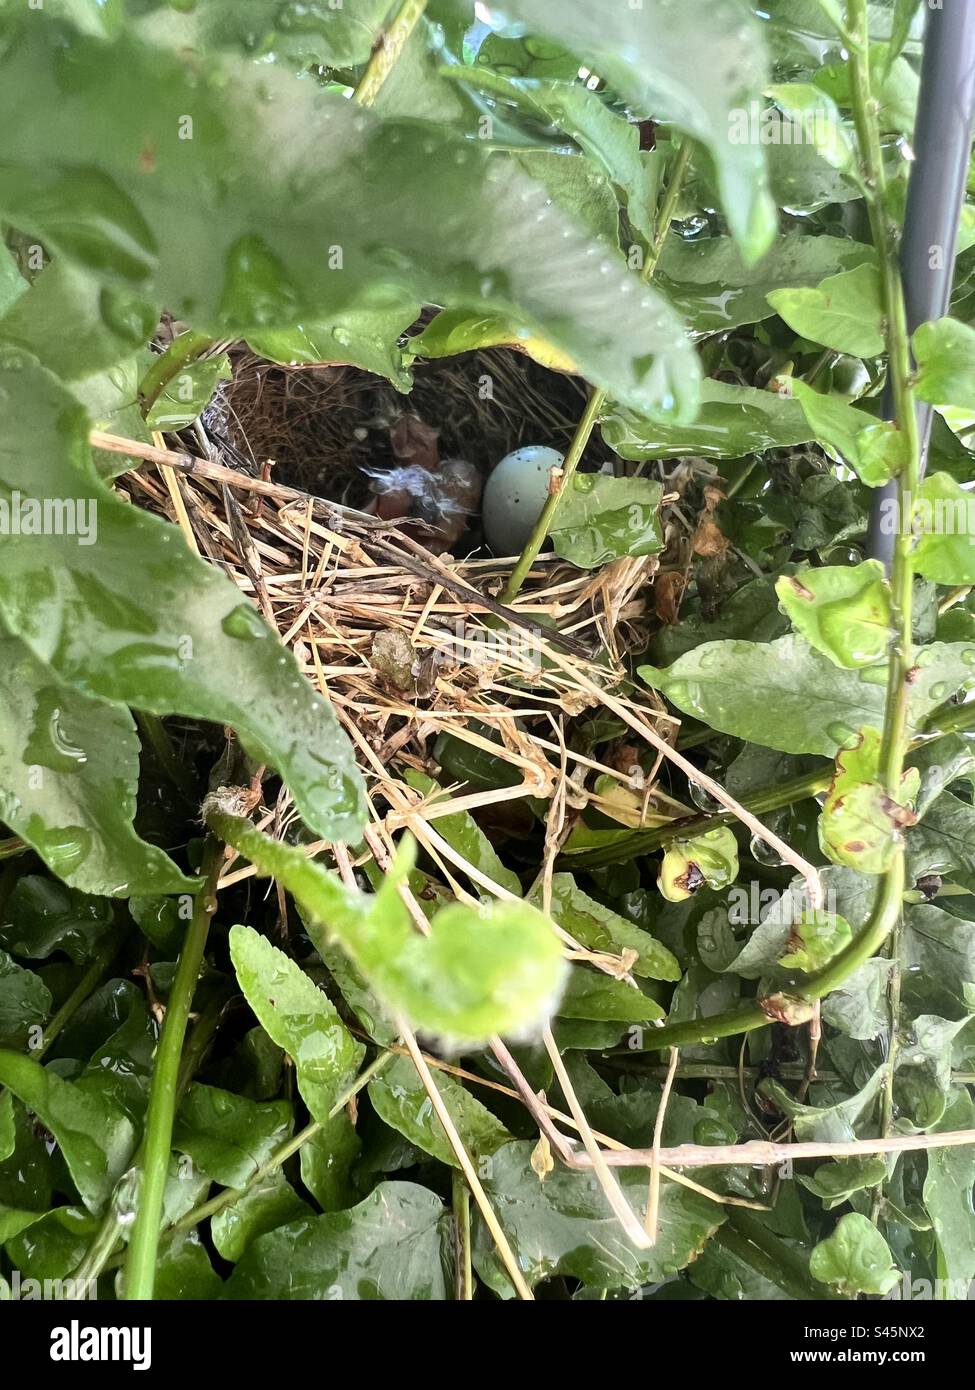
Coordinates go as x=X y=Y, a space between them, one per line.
x=137 y=619
x=816 y=938
x=601 y=929
x=732 y=421
x=69 y=770
x=599 y=998
x=366 y=336
x=245 y=268
x=844 y=312
x=564 y=1226
x=43 y=916
x=188 y=394
x=400 y=1098
x=944 y=521
x=855 y=1258
x=786 y=695
x=875 y=449
x=948 y=1198
x=861 y=824
x=25 y=1003
x=841 y=610
x=95 y=1136
x=833 y=1183
x=945 y=353
x=600 y=519
x=299 y=1017
x=922 y=1082
x=649 y=58
x=715 y=290
x=264 y=1207
x=388 y=1248
x=228 y=1137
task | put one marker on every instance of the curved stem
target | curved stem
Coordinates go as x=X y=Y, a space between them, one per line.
x=182 y=350
x=597 y=396
x=388 y=48
x=140 y=1269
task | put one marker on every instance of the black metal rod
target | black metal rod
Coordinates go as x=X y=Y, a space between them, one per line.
x=936 y=192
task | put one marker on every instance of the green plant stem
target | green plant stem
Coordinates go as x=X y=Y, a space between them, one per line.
x=143 y=1248
x=181 y=351
x=597 y=396
x=231 y=1195
x=461 y=1201
x=799 y=999
x=84 y=987
x=387 y=50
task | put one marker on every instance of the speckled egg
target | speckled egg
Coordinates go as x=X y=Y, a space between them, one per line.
x=514 y=495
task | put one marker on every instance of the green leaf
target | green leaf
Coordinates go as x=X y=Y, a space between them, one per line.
x=583 y=194
x=786 y=695
x=597 y=997
x=95 y=1135
x=944 y=841
x=831 y=1123
x=601 y=929
x=862 y=824
x=25 y=1002
x=463 y=834
x=874 y=448
x=948 y=1198
x=564 y=1226
x=231 y=261
x=184 y=1271
x=69 y=771
x=264 y=1207
x=945 y=355
x=227 y=1136
x=327 y=1161
x=297 y=35
x=388 y=1248
x=944 y=522
x=611 y=142
x=895 y=86
x=494 y=969
x=733 y=421
x=845 y=312
x=366 y=336
x=400 y=1098
x=139 y=620
x=855 y=1258
x=455 y=331
x=188 y=394
x=651 y=58
x=75 y=325
x=42 y=916
x=841 y=610
x=834 y=1183
x=922 y=1082
x=707 y=280
x=299 y=1017
x=600 y=519
x=812 y=118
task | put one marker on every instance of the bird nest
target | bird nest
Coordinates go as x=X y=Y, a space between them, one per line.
x=412 y=646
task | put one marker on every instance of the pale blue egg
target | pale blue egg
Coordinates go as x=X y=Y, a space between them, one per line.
x=515 y=494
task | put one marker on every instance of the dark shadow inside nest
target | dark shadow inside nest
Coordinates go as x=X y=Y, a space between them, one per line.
x=332 y=430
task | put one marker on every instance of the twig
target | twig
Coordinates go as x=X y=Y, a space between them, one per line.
x=757 y=1153
x=387 y=50
x=653 y=1195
